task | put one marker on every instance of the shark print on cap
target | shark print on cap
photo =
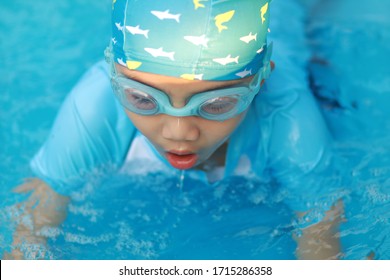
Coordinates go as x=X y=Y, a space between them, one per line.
x=244 y=73
x=249 y=38
x=226 y=60
x=223 y=18
x=192 y=39
x=132 y=65
x=192 y=76
x=263 y=11
x=166 y=15
x=136 y=30
x=160 y=53
x=198 y=4
x=198 y=40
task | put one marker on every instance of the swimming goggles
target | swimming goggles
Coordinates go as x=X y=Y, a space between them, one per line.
x=215 y=105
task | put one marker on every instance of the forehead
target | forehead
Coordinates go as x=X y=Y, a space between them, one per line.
x=168 y=83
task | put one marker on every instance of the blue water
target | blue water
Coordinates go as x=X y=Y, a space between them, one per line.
x=44 y=51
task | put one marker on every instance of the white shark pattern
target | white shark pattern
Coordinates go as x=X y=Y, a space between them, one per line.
x=119 y=26
x=249 y=38
x=260 y=50
x=244 y=73
x=226 y=60
x=135 y=30
x=160 y=53
x=113 y=40
x=166 y=15
x=121 y=62
x=198 y=40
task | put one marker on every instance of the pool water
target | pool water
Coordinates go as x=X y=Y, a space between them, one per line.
x=158 y=216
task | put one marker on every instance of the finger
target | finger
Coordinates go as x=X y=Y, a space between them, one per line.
x=27 y=186
x=14 y=255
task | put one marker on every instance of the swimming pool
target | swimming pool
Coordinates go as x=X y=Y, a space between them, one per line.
x=151 y=218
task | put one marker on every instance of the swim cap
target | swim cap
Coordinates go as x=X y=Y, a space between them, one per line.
x=192 y=39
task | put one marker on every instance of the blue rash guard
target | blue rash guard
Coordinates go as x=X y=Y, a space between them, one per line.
x=283 y=135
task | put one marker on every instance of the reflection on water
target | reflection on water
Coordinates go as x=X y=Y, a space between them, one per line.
x=367 y=207
x=148 y=217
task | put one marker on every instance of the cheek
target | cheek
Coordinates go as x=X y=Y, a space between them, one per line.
x=220 y=130
x=211 y=131
x=147 y=125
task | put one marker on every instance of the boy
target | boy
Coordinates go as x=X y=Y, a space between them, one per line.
x=187 y=77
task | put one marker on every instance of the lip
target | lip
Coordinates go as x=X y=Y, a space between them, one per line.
x=181 y=159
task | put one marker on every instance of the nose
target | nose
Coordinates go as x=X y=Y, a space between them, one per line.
x=180 y=129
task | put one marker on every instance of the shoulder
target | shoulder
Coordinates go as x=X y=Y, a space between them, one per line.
x=90 y=131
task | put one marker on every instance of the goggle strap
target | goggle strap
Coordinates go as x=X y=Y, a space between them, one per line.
x=265 y=71
x=109 y=57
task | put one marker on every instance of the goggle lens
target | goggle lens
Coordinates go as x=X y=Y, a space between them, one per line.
x=219 y=105
x=141 y=102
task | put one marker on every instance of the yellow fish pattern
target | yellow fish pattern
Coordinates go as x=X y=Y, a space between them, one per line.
x=192 y=39
x=192 y=76
x=198 y=4
x=263 y=11
x=132 y=64
x=223 y=18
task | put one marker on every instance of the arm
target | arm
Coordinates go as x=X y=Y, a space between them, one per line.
x=90 y=131
x=296 y=139
x=44 y=208
x=300 y=154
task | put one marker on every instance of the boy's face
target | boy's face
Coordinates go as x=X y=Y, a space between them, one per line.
x=184 y=141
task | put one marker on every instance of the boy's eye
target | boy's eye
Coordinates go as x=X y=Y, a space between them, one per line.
x=219 y=105
x=140 y=100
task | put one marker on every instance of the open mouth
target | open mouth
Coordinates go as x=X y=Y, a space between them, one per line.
x=181 y=160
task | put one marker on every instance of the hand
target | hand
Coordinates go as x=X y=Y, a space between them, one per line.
x=321 y=241
x=44 y=208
